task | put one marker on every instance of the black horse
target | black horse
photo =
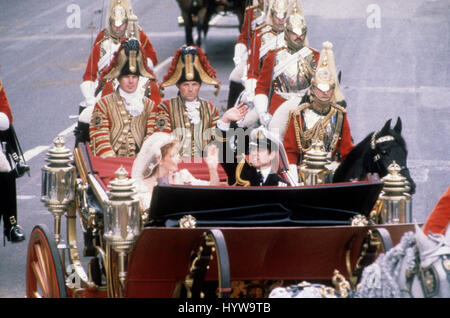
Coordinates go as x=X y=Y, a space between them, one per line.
x=199 y=12
x=374 y=154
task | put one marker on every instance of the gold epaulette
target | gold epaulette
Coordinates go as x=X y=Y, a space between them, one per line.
x=1 y=86
x=339 y=108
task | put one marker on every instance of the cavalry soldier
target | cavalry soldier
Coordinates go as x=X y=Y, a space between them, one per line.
x=8 y=196
x=188 y=116
x=321 y=119
x=120 y=121
x=287 y=70
x=121 y=23
x=255 y=16
x=267 y=37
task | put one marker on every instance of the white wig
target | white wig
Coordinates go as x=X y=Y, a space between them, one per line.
x=150 y=154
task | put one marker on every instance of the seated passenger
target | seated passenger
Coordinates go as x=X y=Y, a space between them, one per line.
x=262 y=166
x=120 y=121
x=157 y=163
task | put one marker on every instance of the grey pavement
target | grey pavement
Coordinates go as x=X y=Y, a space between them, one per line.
x=393 y=56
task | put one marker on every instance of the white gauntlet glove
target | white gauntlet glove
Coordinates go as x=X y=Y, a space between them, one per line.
x=293 y=174
x=4 y=121
x=261 y=102
x=88 y=91
x=240 y=54
x=250 y=86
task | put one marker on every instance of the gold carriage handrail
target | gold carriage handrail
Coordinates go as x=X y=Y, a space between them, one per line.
x=87 y=174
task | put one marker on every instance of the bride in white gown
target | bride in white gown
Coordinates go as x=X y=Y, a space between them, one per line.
x=157 y=163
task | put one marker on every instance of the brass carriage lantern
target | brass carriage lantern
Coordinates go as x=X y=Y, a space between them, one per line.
x=58 y=182
x=122 y=219
x=392 y=197
x=315 y=170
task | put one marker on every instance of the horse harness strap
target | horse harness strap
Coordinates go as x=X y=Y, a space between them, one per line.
x=374 y=141
x=428 y=277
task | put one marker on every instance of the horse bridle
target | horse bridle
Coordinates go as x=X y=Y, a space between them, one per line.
x=427 y=276
x=373 y=143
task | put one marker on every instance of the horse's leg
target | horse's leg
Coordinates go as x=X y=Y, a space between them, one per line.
x=188 y=27
x=209 y=11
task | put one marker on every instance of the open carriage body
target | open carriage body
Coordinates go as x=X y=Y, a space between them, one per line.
x=201 y=241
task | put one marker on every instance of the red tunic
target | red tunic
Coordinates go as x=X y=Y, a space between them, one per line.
x=345 y=144
x=91 y=72
x=439 y=219
x=254 y=50
x=4 y=104
x=246 y=32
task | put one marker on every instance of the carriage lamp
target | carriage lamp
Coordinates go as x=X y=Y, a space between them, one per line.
x=392 y=197
x=122 y=219
x=315 y=170
x=58 y=182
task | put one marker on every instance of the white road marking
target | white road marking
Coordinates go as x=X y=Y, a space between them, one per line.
x=30 y=154
x=159 y=66
x=25 y=197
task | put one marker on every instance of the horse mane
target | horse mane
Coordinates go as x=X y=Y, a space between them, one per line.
x=386 y=270
x=362 y=152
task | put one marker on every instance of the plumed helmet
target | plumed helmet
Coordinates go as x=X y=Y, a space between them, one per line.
x=128 y=59
x=119 y=12
x=279 y=8
x=190 y=63
x=150 y=154
x=296 y=22
x=325 y=77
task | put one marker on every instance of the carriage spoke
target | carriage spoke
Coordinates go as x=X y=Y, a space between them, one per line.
x=40 y=258
x=40 y=281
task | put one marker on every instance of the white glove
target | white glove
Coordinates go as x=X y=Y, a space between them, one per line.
x=332 y=166
x=293 y=173
x=4 y=122
x=150 y=63
x=250 y=86
x=88 y=91
x=240 y=54
x=4 y=163
x=264 y=119
x=86 y=114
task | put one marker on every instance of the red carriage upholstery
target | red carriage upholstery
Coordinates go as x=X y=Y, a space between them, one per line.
x=105 y=168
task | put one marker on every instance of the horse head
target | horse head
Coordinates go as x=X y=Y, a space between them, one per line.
x=387 y=145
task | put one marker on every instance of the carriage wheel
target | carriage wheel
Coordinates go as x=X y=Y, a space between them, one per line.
x=45 y=274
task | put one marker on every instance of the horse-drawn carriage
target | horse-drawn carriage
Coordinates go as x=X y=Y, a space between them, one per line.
x=201 y=241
